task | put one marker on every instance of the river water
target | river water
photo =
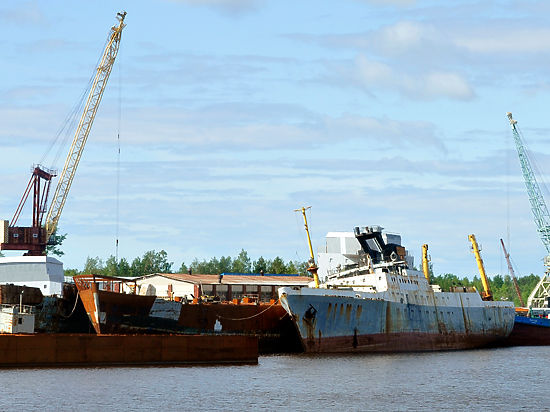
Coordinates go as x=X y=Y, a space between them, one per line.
x=507 y=379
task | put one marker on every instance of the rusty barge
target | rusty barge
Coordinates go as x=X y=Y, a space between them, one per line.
x=373 y=302
x=60 y=350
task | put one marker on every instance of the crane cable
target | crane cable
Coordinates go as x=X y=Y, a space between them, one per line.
x=69 y=124
x=118 y=167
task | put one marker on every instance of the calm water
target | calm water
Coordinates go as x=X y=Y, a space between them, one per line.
x=506 y=379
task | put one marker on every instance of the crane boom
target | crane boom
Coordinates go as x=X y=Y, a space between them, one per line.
x=538 y=205
x=312 y=266
x=487 y=294
x=84 y=126
x=425 y=262
x=512 y=274
x=541 y=293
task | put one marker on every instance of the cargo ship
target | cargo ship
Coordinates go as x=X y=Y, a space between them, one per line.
x=373 y=301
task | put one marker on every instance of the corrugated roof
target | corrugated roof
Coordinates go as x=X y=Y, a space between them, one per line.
x=235 y=279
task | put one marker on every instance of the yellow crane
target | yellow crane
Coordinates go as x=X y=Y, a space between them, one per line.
x=34 y=239
x=312 y=266
x=84 y=126
x=425 y=262
x=486 y=294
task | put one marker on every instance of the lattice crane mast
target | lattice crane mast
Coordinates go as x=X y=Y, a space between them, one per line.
x=35 y=238
x=84 y=126
x=540 y=294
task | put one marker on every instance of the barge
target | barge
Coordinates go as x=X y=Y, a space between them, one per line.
x=62 y=350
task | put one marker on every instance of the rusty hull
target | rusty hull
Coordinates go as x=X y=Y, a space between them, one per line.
x=339 y=321
x=106 y=306
x=11 y=295
x=268 y=321
x=529 y=332
x=57 y=350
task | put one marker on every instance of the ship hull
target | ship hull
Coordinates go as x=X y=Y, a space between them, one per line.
x=347 y=324
x=268 y=321
x=108 y=310
x=530 y=332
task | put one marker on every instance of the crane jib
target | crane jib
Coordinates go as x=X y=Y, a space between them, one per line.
x=81 y=135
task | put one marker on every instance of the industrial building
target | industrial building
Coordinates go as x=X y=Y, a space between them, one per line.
x=225 y=287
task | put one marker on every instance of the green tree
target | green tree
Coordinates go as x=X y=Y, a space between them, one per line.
x=203 y=267
x=124 y=268
x=71 y=272
x=93 y=266
x=136 y=268
x=301 y=269
x=111 y=267
x=54 y=244
x=183 y=268
x=224 y=264
x=259 y=265
x=242 y=263
x=277 y=266
x=291 y=268
x=151 y=262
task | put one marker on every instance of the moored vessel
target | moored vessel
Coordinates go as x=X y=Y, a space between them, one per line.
x=109 y=308
x=373 y=301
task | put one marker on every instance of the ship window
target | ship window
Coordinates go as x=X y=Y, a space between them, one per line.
x=20 y=321
x=16 y=235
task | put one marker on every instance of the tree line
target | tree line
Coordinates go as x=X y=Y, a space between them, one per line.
x=157 y=262
x=502 y=287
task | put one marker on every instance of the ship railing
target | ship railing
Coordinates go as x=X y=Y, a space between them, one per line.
x=106 y=283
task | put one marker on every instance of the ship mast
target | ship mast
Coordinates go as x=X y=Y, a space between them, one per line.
x=312 y=266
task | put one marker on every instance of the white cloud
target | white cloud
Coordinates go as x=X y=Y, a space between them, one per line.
x=227 y=6
x=402 y=36
x=512 y=41
x=390 y=2
x=373 y=75
x=27 y=13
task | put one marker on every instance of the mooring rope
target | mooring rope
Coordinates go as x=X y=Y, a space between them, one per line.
x=72 y=311
x=253 y=316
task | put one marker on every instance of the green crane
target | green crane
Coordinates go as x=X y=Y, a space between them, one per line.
x=539 y=296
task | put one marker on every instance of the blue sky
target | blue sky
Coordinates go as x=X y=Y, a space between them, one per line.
x=232 y=113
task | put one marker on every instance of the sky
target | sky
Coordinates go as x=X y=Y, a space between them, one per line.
x=230 y=114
